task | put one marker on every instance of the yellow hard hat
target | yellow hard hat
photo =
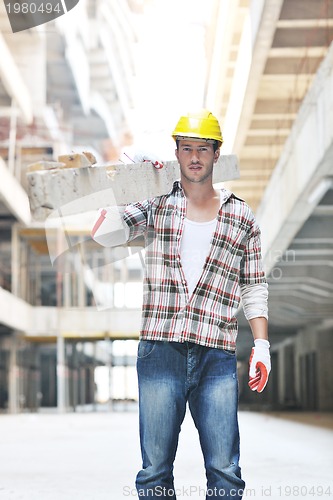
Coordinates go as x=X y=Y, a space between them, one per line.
x=199 y=125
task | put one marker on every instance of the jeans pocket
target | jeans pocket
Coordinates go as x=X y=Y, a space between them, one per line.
x=229 y=353
x=145 y=348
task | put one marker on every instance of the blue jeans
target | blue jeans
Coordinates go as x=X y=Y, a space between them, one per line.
x=170 y=374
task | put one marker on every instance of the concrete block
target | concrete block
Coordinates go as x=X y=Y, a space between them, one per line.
x=77 y=190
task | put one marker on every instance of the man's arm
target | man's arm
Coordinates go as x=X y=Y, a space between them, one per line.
x=254 y=292
x=254 y=298
x=259 y=328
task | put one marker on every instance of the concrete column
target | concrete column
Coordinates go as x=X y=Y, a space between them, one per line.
x=94 y=364
x=308 y=362
x=82 y=375
x=110 y=374
x=23 y=270
x=75 y=376
x=67 y=283
x=285 y=385
x=280 y=377
x=15 y=263
x=38 y=283
x=325 y=370
x=28 y=291
x=61 y=374
x=33 y=388
x=13 y=399
x=61 y=347
x=80 y=277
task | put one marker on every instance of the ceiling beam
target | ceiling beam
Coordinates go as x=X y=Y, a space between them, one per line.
x=253 y=53
x=304 y=23
x=297 y=52
x=268 y=132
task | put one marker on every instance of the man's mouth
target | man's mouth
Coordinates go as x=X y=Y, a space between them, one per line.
x=195 y=167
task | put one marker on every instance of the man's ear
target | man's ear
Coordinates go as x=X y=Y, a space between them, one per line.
x=177 y=154
x=216 y=155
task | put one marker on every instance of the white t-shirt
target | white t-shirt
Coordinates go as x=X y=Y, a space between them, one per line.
x=194 y=249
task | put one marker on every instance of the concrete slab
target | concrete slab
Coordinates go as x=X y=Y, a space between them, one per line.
x=78 y=190
x=95 y=456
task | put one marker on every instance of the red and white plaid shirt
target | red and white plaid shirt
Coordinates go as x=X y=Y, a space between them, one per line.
x=207 y=317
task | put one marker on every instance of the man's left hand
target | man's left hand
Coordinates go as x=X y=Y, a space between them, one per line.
x=260 y=365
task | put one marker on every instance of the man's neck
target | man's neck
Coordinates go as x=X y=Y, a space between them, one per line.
x=201 y=192
x=203 y=202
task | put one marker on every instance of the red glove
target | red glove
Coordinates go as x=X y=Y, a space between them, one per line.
x=260 y=365
x=157 y=164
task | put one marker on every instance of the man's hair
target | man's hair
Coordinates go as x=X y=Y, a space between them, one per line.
x=215 y=144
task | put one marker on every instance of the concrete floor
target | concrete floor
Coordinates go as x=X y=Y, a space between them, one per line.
x=95 y=456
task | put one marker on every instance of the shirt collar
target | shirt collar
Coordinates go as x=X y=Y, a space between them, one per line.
x=226 y=194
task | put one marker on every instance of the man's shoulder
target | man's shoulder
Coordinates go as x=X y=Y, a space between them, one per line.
x=238 y=198
x=238 y=206
x=229 y=196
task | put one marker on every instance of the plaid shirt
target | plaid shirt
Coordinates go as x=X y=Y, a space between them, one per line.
x=208 y=316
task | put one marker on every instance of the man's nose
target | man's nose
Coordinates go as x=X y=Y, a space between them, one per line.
x=194 y=157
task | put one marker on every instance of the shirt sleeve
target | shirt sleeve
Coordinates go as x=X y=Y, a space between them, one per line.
x=251 y=268
x=136 y=217
x=254 y=299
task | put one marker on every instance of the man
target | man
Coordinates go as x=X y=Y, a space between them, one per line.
x=202 y=257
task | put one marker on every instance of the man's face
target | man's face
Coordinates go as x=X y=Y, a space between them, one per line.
x=196 y=159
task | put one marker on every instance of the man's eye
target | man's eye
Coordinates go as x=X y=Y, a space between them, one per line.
x=186 y=149
x=202 y=150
